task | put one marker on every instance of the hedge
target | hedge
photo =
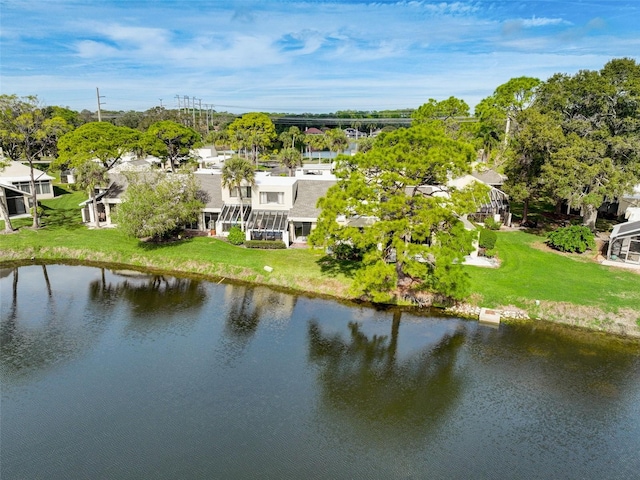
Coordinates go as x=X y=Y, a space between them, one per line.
x=266 y=244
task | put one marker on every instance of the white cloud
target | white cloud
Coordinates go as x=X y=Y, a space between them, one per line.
x=90 y=49
x=542 y=22
x=295 y=55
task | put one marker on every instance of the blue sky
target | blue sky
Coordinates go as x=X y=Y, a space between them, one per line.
x=299 y=56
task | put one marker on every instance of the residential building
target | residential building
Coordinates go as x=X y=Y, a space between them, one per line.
x=15 y=186
x=274 y=208
x=624 y=241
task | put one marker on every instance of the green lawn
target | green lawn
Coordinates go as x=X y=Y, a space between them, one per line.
x=528 y=273
x=64 y=237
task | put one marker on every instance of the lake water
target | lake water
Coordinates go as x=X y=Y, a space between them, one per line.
x=114 y=375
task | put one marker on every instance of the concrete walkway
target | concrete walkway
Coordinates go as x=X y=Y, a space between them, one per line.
x=481 y=262
x=613 y=263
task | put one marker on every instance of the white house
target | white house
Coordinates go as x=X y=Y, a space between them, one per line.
x=15 y=186
x=624 y=241
x=274 y=208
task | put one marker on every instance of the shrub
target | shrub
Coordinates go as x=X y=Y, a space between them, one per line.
x=574 y=238
x=492 y=224
x=344 y=251
x=40 y=210
x=488 y=239
x=236 y=236
x=490 y=253
x=266 y=244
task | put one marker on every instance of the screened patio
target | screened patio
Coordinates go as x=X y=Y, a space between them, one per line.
x=269 y=225
x=624 y=243
x=498 y=205
x=230 y=217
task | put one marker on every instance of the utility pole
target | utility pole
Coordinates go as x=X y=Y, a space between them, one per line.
x=98 y=96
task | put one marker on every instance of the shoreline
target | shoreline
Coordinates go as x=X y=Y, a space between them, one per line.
x=623 y=325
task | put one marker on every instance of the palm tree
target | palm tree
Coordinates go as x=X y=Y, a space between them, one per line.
x=91 y=175
x=337 y=140
x=235 y=172
x=289 y=136
x=290 y=158
x=318 y=142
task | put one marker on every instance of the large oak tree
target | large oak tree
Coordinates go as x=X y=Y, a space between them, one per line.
x=253 y=133
x=171 y=142
x=599 y=112
x=100 y=141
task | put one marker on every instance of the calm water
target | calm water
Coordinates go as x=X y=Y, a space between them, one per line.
x=106 y=375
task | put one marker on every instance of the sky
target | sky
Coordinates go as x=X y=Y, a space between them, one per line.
x=292 y=56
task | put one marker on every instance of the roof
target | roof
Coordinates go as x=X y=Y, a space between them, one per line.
x=266 y=180
x=309 y=192
x=490 y=177
x=313 y=131
x=317 y=166
x=628 y=229
x=139 y=164
x=212 y=185
x=117 y=186
x=18 y=172
x=7 y=186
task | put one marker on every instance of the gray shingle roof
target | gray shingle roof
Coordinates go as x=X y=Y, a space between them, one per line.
x=212 y=185
x=309 y=191
x=490 y=177
x=117 y=186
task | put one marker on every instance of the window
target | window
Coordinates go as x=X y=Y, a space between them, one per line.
x=302 y=229
x=210 y=220
x=41 y=187
x=246 y=192
x=16 y=205
x=24 y=186
x=191 y=226
x=266 y=235
x=272 y=198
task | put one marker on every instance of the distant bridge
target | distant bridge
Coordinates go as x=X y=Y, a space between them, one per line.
x=333 y=122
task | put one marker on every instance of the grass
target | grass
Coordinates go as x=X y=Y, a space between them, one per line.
x=528 y=273
x=64 y=237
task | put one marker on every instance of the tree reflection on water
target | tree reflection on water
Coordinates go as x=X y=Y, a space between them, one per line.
x=150 y=294
x=39 y=333
x=368 y=383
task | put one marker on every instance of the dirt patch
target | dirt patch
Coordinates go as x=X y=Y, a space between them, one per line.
x=588 y=256
x=623 y=322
